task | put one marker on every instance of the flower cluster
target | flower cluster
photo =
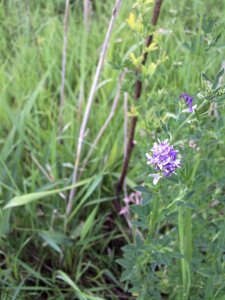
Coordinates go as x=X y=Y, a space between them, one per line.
x=189 y=101
x=164 y=159
x=133 y=198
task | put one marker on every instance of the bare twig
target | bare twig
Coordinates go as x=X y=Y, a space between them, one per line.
x=63 y=71
x=105 y=125
x=138 y=90
x=90 y=101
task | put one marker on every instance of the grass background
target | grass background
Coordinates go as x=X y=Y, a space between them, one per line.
x=34 y=250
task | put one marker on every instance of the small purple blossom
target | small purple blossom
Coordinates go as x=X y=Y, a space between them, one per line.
x=192 y=144
x=164 y=159
x=189 y=101
x=133 y=198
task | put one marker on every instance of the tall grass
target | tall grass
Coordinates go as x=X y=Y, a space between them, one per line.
x=39 y=258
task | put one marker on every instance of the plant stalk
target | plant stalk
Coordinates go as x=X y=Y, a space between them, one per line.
x=89 y=103
x=184 y=225
x=63 y=71
x=138 y=91
x=153 y=217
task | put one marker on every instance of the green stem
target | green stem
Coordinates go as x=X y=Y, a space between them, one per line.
x=188 y=119
x=199 y=28
x=184 y=224
x=181 y=237
x=154 y=216
x=188 y=235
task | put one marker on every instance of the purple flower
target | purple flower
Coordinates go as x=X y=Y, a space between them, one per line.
x=133 y=198
x=164 y=159
x=189 y=101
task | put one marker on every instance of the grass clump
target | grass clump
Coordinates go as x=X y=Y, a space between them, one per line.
x=176 y=240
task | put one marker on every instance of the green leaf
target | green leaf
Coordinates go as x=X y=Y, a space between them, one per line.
x=64 y=277
x=187 y=204
x=124 y=263
x=96 y=182
x=206 y=84
x=189 y=195
x=129 y=248
x=138 y=209
x=140 y=224
x=141 y=189
x=139 y=241
x=220 y=91
x=55 y=240
x=125 y=275
x=33 y=272
x=28 y=198
x=147 y=199
x=80 y=294
x=220 y=298
x=89 y=223
x=217 y=78
x=50 y=241
x=220 y=98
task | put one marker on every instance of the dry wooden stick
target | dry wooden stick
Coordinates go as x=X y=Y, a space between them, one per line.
x=90 y=101
x=138 y=90
x=63 y=71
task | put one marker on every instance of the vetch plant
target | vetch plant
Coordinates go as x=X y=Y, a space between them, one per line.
x=133 y=198
x=175 y=229
x=142 y=72
x=167 y=251
x=163 y=260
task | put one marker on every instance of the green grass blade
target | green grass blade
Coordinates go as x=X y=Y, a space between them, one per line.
x=28 y=198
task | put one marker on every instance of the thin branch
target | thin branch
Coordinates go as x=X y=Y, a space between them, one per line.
x=63 y=71
x=138 y=91
x=90 y=101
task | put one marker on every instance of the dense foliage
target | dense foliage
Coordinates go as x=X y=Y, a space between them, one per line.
x=169 y=240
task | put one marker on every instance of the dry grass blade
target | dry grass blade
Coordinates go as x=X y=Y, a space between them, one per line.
x=49 y=175
x=90 y=101
x=63 y=72
x=108 y=120
x=87 y=13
